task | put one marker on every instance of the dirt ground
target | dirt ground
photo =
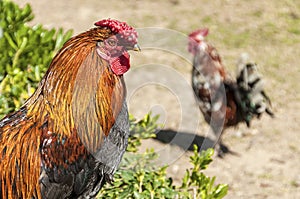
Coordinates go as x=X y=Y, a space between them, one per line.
x=268 y=160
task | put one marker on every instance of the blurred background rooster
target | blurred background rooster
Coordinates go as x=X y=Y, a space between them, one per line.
x=68 y=138
x=223 y=100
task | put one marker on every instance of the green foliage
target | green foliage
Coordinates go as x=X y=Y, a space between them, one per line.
x=25 y=55
x=140 y=178
x=201 y=185
x=141 y=129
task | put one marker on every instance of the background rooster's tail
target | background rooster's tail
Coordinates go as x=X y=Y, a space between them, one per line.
x=250 y=85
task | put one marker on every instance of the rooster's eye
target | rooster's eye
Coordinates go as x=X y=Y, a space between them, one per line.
x=112 y=42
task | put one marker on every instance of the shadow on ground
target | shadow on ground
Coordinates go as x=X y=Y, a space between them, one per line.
x=184 y=140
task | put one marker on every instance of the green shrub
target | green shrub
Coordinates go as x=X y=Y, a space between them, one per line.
x=202 y=185
x=139 y=178
x=25 y=54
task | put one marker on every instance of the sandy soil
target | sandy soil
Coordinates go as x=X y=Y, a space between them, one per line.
x=267 y=164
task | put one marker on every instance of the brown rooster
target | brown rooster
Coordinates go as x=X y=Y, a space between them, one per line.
x=223 y=100
x=67 y=140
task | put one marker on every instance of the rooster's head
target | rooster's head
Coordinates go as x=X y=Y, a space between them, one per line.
x=114 y=46
x=196 y=38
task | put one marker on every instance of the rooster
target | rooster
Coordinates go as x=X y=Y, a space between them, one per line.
x=223 y=100
x=68 y=138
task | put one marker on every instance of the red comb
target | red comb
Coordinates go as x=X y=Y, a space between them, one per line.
x=125 y=31
x=203 y=32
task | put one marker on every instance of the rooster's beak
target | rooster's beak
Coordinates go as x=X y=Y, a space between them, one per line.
x=136 y=47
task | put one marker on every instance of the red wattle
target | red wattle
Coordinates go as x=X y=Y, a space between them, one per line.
x=121 y=64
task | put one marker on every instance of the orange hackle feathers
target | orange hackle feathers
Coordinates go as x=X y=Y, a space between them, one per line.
x=20 y=164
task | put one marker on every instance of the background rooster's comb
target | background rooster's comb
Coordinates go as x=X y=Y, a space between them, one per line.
x=196 y=35
x=125 y=31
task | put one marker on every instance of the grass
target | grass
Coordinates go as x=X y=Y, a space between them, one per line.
x=266 y=176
